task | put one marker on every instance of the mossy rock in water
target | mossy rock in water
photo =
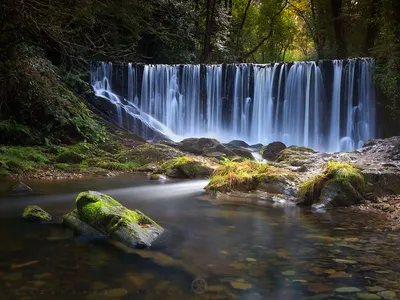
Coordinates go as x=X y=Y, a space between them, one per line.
x=338 y=185
x=72 y=221
x=186 y=167
x=108 y=216
x=36 y=214
x=250 y=175
x=22 y=188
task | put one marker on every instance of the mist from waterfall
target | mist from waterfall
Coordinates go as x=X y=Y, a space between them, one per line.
x=327 y=105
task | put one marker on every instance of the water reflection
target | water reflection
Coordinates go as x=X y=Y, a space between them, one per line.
x=240 y=251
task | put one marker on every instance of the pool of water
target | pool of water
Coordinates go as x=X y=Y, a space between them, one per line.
x=210 y=249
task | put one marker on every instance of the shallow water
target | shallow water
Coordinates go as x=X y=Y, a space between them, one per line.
x=210 y=250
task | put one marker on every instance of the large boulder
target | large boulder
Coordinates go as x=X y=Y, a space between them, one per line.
x=187 y=167
x=237 y=144
x=271 y=151
x=203 y=146
x=36 y=214
x=295 y=156
x=339 y=184
x=336 y=194
x=115 y=221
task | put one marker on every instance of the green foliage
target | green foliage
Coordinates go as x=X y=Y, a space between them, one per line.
x=334 y=171
x=14 y=160
x=39 y=102
x=62 y=166
x=15 y=133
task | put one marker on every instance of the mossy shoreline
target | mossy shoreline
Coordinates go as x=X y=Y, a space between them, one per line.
x=66 y=161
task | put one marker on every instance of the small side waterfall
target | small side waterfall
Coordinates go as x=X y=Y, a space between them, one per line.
x=326 y=105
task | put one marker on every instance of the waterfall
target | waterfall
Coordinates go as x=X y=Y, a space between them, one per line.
x=326 y=105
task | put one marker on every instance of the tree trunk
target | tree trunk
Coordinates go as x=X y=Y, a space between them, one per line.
x=338 y=27
x=210 y=10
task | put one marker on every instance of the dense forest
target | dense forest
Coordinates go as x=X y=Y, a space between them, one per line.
x=46 y=48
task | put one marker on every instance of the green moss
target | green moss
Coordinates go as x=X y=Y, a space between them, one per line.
x=16 y=133
x=98 y=209
x=245 y=175
x=301 y=149
x=16 y=160
x=62 y=166
x=333 y=171
x=184 y=167
x=35 y=213
x=70 y=156
x=294 y=155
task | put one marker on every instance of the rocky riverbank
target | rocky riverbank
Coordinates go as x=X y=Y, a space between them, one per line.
x=369 y=176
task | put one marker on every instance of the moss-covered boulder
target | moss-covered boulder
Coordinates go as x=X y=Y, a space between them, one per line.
x=72 y=221
x=339 y=184
x=245 y=176
x=186 y=167
x=35 y=214
x=115 y=221
x=294 y=155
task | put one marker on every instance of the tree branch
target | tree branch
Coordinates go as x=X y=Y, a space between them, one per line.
x=271 y=30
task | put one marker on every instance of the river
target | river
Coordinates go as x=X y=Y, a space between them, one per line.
x=209 y=250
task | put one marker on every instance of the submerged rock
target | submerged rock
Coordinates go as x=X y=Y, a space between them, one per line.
x=72 y=221
x=271 y=151
x=22 y=188
x=115 y=221
x=160 y=177
x=36 y=214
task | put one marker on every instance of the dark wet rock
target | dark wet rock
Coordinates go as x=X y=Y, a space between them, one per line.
x=72 y=221
x=202 y=146
x=36 y=214
x=238 y=144
x=243 y=153
x=129 y=121
x=335 y=194
x=22 y=188
x=256 y=147
x=382 y=181
x=169 y=143
x=115 y=221
x=282 y=185
x=218 y=155
x=271 y=151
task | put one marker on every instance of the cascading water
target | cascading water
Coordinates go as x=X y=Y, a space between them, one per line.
x=327 y=105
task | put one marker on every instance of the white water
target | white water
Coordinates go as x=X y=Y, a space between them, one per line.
x=329 y=106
